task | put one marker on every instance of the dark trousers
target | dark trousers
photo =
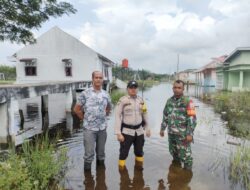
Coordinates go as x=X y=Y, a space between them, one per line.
x=137 y=141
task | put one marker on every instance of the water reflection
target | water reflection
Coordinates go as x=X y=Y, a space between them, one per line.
x=136 y=183
x=203 y=92
x=178 y=178
x=99 y=183
x=210 y=150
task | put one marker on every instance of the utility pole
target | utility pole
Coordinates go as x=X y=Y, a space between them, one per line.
x=177 y=76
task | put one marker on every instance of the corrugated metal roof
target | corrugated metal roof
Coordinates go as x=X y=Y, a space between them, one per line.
x=212 y=64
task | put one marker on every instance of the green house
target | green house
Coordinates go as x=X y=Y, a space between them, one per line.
x=234 y=73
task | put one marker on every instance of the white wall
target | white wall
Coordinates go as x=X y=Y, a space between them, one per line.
x=49 y=51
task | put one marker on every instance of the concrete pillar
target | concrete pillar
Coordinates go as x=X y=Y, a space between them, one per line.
x=241 y=80
x=4 y=123
x=69 y=122
x=69 y=100
x=45 y=112
x=21 y=119
x=14 y=119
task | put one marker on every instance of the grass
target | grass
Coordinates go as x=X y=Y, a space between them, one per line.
x=147 y=83
x=4 y=82
x=234 y=108
x=240 y=167
x=38 y=166
x=116 y=95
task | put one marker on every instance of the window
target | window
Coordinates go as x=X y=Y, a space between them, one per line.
x=68 y=67
x=105 y=71
x=30 y=70
x=68 y=71
x=30 y=67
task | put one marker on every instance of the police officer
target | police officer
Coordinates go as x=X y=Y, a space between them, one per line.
x=130 y=123
x=180 y=119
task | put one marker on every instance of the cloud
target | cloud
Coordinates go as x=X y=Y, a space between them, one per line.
x=230 y=8
x=151 y=33
x=149 y=37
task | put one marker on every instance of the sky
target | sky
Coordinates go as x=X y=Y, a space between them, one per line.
x=151 y=34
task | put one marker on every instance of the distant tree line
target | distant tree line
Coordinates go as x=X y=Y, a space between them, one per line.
x=8 y=71
x=129 y=74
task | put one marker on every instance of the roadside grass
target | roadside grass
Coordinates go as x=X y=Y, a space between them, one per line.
x=234 y=108
x=37 y=166
x=240 y=167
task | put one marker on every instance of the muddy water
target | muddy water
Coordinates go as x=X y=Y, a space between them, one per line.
x=210 y=152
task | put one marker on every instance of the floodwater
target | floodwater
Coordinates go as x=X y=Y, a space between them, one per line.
x=210 y=151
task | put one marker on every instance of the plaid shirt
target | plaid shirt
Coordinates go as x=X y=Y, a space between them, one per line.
x=94 y=104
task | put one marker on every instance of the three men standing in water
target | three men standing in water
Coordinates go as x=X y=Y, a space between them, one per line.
x=131 y=120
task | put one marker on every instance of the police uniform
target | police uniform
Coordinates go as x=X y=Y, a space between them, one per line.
x=130 y=121
x=180 y=119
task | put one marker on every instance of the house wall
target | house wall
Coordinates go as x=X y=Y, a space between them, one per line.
x=246 y=81
x=233 y=80
x=225 y=79
x=242 y=58
x=49 y=51
x=210 y=77
x=199 y=78
x=191 y=77
x=219 y=80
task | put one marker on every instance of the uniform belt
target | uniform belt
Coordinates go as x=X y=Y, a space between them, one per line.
x=131 y=126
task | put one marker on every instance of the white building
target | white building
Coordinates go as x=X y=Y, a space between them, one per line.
x=59 y=57
x=187 y=75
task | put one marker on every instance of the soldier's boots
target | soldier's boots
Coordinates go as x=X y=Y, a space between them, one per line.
x=176 y=161
x=188 y=167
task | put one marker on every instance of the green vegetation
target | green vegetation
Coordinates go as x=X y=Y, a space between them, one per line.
x=35 y=168
x=9 y=73
x=4 y=82
x=19 y=18
x=147 y=83
x=240 y=167
x=127 y=74
x=116 y=95
x=234 y=108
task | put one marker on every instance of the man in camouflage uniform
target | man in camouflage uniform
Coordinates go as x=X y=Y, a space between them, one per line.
x=180 y=118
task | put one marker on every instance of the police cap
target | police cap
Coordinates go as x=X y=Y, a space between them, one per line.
x=132 y=83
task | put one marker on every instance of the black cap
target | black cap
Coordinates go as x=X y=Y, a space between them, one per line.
x=132 y=83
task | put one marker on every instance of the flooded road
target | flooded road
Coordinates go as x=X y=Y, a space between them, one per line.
x=210 y=152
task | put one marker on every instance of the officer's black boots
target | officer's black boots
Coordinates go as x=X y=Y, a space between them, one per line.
x=100 y=163
x=87 y=166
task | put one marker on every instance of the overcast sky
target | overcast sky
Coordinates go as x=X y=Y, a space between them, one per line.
x=150 y=33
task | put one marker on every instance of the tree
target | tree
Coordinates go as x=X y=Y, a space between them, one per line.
x=19 y=17
x=9 y=72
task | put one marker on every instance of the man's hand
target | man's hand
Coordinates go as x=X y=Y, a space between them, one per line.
x=120 y=137
x=108 y=110
x=189 y=138
x=78 y=111
x=148 y=133
x=162 y=133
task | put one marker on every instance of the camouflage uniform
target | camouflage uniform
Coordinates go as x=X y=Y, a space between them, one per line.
x=180 y=124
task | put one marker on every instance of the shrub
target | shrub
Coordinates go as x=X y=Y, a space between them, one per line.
x=36 y=167
x=240 y=168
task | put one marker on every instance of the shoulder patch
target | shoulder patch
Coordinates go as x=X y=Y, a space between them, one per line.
x=141 y=99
